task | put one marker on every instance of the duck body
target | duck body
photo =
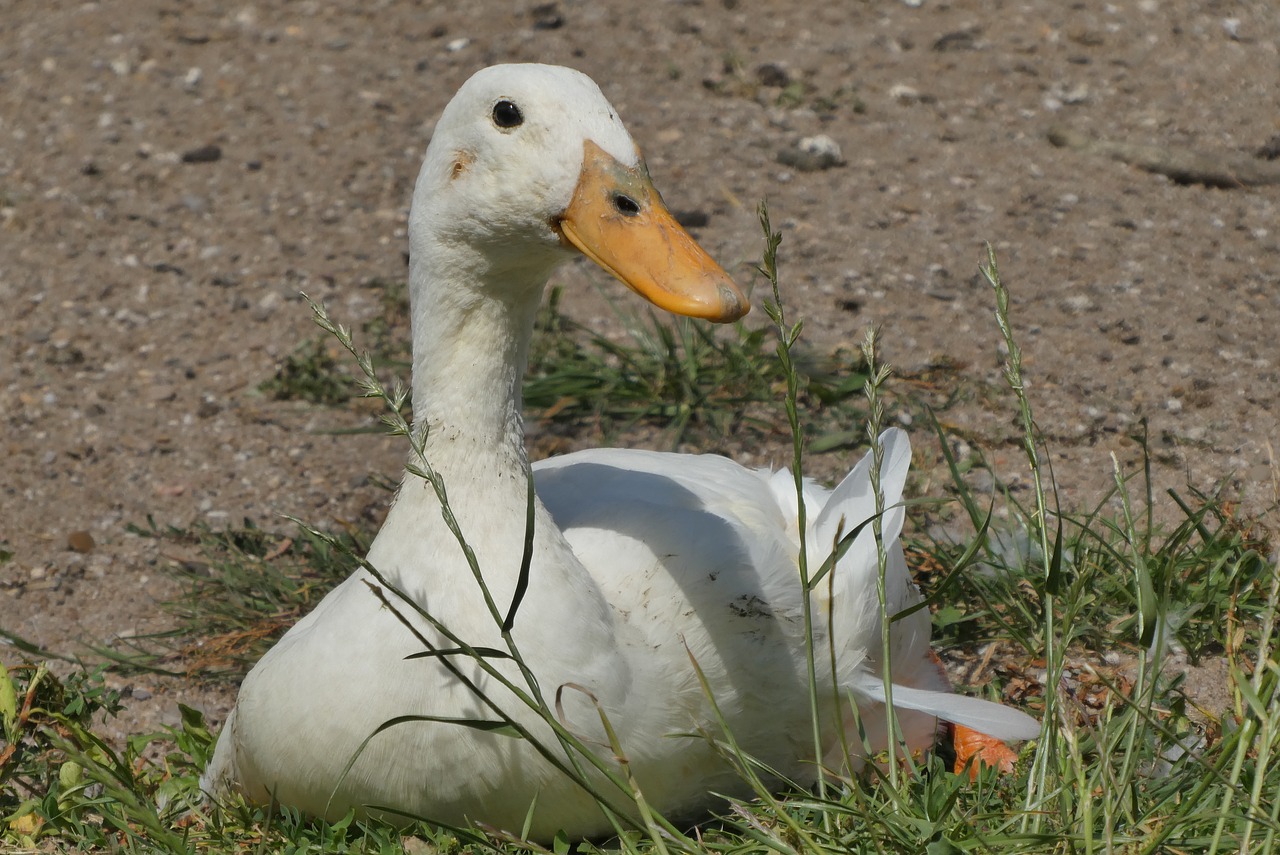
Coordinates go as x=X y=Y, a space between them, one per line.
x=642 y=563
x=703 y=569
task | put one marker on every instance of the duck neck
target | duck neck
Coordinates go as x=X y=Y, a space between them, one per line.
x=472 y=324
x=471 y=330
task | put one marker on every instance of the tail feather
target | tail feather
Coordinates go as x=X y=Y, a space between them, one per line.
x=853 y=502
x=850 y=504
x=986 y=717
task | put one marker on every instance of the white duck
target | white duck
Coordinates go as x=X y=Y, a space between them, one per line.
x=640 y=560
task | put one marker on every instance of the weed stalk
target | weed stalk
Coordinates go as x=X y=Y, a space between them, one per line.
x=788 y=335
x=878 y=375
x=1039 y=786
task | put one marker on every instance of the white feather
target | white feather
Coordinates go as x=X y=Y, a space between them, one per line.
x=987 y=717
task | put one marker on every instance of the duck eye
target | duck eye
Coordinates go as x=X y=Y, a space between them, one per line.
x=507 y=115
x=626 y=206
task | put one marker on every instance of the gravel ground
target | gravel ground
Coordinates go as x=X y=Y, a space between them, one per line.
x=173 y=174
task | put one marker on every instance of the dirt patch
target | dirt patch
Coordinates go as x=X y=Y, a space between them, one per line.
x=171 y=175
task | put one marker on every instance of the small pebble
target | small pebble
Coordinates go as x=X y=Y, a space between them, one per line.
x=80 y=541
x=773 y=74
x=204 y=154
x=160 y=394
x=547 y=16
x=1076 y=95
x=958 y=40
x=1076 y=304
x=812 y=154
x=904 y=94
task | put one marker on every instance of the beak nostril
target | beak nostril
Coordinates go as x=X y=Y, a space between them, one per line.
x=626 y=206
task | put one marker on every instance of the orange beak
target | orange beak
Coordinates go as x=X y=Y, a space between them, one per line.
x=617 y=219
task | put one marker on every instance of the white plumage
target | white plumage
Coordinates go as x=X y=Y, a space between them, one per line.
x=640 y=559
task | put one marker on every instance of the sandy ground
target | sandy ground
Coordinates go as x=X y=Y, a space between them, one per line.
x=173 y=174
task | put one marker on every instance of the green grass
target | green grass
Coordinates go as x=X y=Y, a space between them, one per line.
x=244 y=590
x=693 y=382
x=310 y=373
x=1205 y=572
x=1125 y=762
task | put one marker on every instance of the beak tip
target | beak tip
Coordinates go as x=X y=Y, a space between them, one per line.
x=733 y=303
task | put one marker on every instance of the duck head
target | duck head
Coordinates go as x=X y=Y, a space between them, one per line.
x=530 y=164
